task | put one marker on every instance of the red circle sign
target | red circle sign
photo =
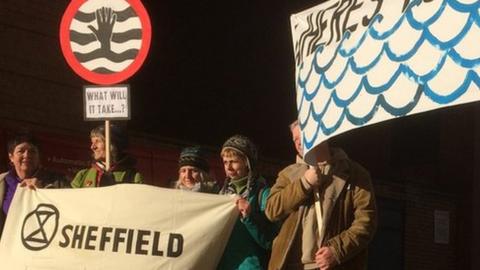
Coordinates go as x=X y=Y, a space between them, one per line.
x=105 y=42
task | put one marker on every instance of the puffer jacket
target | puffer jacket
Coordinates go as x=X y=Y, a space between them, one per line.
x=348 y=205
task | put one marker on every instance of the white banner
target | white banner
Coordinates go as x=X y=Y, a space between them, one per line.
x=125 y=226
x=365 y=61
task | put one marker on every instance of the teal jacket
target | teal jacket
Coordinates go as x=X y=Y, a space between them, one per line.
x=251 y=239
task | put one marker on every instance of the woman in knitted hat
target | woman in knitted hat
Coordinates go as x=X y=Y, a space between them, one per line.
x=122 y=169
x=193 y=172
x=251 y=239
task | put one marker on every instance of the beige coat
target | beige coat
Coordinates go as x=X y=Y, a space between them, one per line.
x=348 y=205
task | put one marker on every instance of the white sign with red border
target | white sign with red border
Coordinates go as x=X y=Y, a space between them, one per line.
x=105 y=42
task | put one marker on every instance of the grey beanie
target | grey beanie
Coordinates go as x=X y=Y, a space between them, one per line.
x=194 y=156
x=245 y=146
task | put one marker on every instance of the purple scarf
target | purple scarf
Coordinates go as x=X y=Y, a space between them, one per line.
x=12 y=182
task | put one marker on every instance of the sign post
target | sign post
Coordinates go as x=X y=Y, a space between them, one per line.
x=105 y=43
x=107 y=144
x=106 y=103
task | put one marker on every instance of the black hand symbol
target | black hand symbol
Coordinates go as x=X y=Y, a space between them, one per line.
x=105 y=19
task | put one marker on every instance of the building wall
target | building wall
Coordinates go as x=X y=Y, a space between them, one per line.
x=415 y=210
x=475 y=191
x=422 y=251
x=36 y=85
x=68 y=152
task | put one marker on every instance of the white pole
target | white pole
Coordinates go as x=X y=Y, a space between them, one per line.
x=107 y=145
x=318 y=208
x=318 y=211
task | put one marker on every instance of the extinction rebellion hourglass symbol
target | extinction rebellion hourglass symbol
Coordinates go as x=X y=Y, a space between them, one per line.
x=40 y=227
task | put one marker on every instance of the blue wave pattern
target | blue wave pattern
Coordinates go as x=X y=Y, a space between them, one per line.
x=351 y=90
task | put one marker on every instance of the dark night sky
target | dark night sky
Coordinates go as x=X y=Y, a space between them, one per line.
x=216 y=68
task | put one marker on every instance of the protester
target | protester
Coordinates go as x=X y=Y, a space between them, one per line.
x=24 y=155
x=252 y=235
x=348 y=207
x=193 y=172
x=122 y=168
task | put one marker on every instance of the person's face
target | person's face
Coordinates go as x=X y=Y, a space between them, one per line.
x=235 y=166
x=297 y=140
x=189 y=175
x=98 y=148
x=25 y=158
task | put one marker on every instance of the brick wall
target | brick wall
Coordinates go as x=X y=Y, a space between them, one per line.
x=419 y=248
x=421 y=251
x=36 y=85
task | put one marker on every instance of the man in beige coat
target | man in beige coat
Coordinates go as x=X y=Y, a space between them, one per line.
x=348 y=212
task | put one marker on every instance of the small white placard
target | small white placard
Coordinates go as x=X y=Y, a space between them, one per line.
x=106 y=102
x=442 y=226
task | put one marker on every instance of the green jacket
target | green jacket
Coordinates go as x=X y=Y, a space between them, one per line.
x=251 y=239
x=349 y=209
x=96 y=176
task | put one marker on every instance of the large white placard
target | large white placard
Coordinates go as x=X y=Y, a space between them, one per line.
x=122 y=227
x=365 y=61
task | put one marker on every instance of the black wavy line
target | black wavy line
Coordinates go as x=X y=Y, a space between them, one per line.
x=126 y=14
x=84 y=39
x=84 y=17
x=114 y=57
x=90 y=17
x=103 y=70
x=81 y=38
x=126 y=36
